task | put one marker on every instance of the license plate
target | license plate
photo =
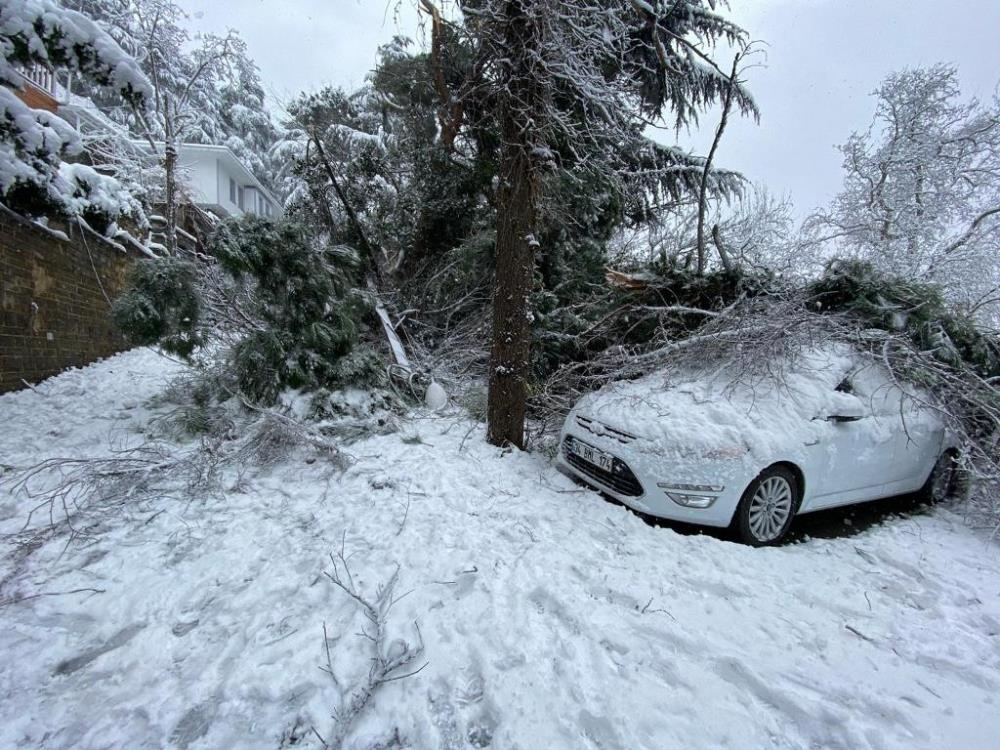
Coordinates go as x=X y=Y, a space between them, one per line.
x=593 y=455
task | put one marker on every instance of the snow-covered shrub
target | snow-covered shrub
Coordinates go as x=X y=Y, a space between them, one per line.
x=35 y=181
x=99 y=199
x=161 y=306
x=44 y=32
x=32 y=144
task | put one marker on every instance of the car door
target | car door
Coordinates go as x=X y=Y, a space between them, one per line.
x=848 y=456
x=916 y=433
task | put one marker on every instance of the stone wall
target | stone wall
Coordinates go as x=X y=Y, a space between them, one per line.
x=54 y=309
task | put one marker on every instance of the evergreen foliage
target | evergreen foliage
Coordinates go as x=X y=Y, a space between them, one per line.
x=294 y=316
x=34 y=143
x=309 y=314
x=917 y=308
x=161 y=306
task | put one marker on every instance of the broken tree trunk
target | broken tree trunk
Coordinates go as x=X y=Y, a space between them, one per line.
x=727 y=102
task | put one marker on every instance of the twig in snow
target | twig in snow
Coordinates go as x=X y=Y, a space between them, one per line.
x=858 y=633
x=17 y=599
x=32 y=387
x=390 y=662
x=654 y=611
x=406 y=513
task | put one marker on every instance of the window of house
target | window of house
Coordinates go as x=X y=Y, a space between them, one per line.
x=232 y=190
x=239 y=194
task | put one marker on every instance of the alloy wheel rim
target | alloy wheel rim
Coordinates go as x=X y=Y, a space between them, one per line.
x=770 y=508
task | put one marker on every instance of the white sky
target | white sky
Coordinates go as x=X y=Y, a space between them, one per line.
x=823 y=59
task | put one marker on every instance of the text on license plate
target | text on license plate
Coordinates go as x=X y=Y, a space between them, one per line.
x=593 y=455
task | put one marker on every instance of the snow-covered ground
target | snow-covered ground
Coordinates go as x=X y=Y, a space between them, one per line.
x=550 y=617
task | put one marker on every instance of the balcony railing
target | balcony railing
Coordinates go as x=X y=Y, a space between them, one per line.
x=40 y=76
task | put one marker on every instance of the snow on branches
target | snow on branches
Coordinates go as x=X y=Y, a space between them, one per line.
x=601 y=71
x=921 y=193
x=33 y=143
x=43 y=32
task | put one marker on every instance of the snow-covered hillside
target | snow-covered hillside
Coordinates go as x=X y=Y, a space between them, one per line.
x=550 y=618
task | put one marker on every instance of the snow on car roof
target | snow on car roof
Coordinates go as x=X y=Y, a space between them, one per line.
x=700 y=410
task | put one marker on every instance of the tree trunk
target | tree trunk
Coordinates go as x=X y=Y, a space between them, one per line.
x=170 y=166
x=727 y=101
x=721 y=247
x=170 y=180
x=510 y=353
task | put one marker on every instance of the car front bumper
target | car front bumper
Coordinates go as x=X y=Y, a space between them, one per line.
x=651 y=470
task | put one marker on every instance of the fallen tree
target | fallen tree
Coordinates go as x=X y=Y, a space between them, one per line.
x=755 y=325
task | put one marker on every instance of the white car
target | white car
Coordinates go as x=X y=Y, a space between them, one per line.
x=829 y=429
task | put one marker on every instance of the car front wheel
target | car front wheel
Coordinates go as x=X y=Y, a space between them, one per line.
x=944 y=480
x=766 y=509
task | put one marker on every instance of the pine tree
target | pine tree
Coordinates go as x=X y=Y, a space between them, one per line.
x=574 y=82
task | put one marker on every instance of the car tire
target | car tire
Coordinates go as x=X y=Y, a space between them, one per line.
x=943 y=481
x=765 y=512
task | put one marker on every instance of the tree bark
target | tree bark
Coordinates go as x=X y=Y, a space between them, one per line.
x=510 y=353
x=170 y=180
x=720 y=246
x=451 y=109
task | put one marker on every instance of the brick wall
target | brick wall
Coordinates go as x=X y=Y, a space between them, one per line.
x=53 y=312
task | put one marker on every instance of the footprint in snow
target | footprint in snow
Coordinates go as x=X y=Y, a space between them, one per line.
x=471 y=709
x=119 y=639
x=194 y=724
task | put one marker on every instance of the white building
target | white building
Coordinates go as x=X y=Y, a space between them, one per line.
x=219 y=182
x=213 y=178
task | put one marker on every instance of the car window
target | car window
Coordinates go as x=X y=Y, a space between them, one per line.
x=845 y=386
x=876 y=388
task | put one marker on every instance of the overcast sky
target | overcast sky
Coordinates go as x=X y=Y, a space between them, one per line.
x=824 y=57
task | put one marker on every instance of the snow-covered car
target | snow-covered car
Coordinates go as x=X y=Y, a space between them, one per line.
x=827 y=429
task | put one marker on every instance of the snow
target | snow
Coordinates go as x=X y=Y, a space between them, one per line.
x=92 y=190
x=35 y=140
x=550 y=617
x=31 y=154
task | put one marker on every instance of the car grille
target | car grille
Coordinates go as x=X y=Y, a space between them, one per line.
x=620 y=479
x=602 y=430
